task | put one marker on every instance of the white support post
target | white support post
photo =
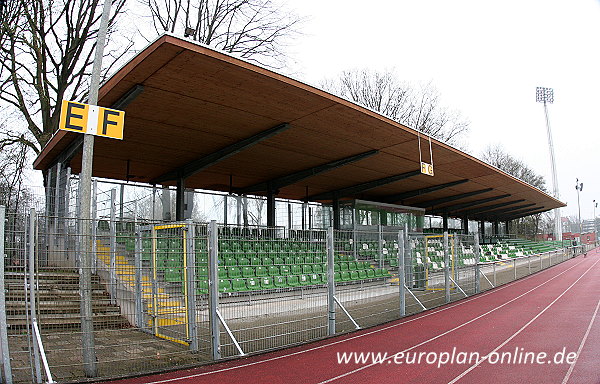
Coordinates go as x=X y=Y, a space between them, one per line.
x=401 y=277
x=476 y=253
x=190 y=272
x=213 y=290
x=330 y=283
x=446 y=268
x=32 y=290
x=112 y=268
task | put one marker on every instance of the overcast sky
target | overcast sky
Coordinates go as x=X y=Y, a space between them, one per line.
x=485 y=58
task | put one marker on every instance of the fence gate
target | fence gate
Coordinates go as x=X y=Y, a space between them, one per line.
x=170 y=288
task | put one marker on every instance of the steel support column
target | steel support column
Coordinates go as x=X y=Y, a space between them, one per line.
x=270 y=207
x=180 y=200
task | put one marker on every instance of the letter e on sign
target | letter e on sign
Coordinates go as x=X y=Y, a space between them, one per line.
x=73 y=116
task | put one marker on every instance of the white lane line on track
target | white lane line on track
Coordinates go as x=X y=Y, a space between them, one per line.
x=587 y=333
x=522 y=328
x=446 y=332
x=417 y=317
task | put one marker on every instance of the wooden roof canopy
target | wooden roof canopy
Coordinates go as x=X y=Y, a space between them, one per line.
x=225 y=124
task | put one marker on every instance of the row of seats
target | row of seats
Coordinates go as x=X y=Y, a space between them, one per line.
x=174 y=272
x=242 y=284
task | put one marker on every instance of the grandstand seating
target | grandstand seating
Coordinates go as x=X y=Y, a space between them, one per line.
x=247 y=264
x=250 y=262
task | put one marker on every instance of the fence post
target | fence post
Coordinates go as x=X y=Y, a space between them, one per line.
x=408 y=250
x=330 y=283
x=139 y=313
x=3 y=325
x=32 y=290
x=401 y=269
x=191 y=286
x=213 y=289
x=477 y=260
x=112 y=268
x=380 y=242
x=446 y=268
x=515 y=267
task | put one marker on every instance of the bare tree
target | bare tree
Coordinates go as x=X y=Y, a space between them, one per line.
x=420 y=108
x=495 y=155
x=254 y=29
x=46 y=49
x=498 y=157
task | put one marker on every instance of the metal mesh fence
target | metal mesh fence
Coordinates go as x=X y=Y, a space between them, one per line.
x=166 y=295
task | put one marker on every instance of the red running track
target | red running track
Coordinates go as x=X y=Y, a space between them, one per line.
x=554 y=312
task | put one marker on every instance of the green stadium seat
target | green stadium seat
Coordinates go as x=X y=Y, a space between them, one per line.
x=253 y=283
x=285 y=270
x=256 y=261
x=222 y=272
x=238 y=285
x=248 y=272
x=345 y=275
x=304 y=279
x=274 y=270
x=202 y=287
x=336 y=267
x=298 y=259
x=280 y=281
x=267 y=283
x=289 y=260
x=317 y=268
x=344 y=266
x=362 y=274
x=267 y=261
x=309 y=259
x=278 y=261
x=230 y=261
x=323 y=278
x=295 y=269
x=202 y=271
x=317 y=259
x=315 y=279
x=242 y=261
x=354 y=275
x=370 y=273
x=352 y=266
x=262 y=271
x=224 y=285
x=234 y=272
x=337 y=277
x=394 y=263
x=293 y=281
x=307 y=268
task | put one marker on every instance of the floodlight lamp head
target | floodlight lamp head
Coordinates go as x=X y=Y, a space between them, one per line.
x=544 y=95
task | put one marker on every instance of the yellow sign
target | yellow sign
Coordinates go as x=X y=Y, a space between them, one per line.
x=92 y=119
x=427 y=168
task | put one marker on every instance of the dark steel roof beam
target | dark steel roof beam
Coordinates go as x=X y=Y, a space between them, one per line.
x=422 y=191
x=443 y=200
x=535 y=212
x=128 y=97
x=206 y=161
x=494 y=206
x=460 y=207
x=293 y=178
x=500 y=212
x=353 y=190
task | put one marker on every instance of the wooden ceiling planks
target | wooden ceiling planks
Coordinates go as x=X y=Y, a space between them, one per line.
x=196 y=101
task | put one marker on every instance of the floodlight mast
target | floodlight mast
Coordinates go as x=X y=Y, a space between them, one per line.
x=546 y=96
